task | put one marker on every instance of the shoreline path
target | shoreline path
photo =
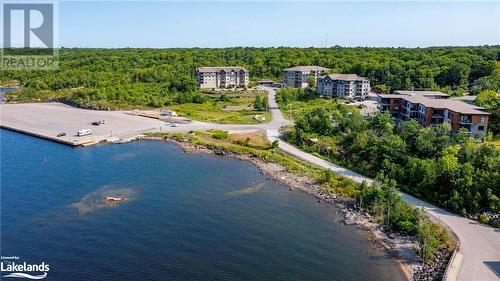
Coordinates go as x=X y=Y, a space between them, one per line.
x=478 y=257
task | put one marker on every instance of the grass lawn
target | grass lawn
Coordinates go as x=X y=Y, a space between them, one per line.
x=256 y=145
x=294 y=108
x=495 y=142
x=255 y=139
x=213 y=109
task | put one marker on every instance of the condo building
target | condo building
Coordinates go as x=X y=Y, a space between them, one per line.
x=433 y=108
x=222 y=77
x=343 y=86
x=297 y=77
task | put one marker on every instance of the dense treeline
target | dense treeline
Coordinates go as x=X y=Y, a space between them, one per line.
x=453 y=171
x=155 y=77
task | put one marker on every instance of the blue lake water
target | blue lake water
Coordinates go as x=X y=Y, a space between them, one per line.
x=4 y=90
x=189 y=217
x=7 y=89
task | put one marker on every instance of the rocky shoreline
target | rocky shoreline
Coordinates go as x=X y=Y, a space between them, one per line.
x=399 y=247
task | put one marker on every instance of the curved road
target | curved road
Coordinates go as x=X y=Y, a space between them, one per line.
x=479 y=253
x=478 y=257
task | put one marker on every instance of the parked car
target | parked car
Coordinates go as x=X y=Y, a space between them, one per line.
x=174 y=125
x=61 y=134
x=96 y=123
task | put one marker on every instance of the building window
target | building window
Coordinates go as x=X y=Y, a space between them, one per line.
x=480 y=128
x=482 y=119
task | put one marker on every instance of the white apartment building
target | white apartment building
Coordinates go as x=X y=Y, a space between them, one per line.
x=343 y=86
x=222 y=77
x=297 y=76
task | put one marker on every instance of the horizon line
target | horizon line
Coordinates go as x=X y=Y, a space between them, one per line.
x=267 y=47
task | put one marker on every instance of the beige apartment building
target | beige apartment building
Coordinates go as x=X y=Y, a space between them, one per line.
x=343 y=86
x=297 y=76
x=222 y=77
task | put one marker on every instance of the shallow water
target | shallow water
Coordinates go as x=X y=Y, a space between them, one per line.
x=4 y=90
x=188 y=217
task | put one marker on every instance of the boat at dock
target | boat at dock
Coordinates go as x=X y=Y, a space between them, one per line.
x=112 y=200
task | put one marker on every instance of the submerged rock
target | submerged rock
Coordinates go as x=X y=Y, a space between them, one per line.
x=219 y=152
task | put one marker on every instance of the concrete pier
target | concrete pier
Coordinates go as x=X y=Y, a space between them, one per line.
x=47 y=120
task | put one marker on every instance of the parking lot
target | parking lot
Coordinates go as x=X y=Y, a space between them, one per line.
x=47 y=120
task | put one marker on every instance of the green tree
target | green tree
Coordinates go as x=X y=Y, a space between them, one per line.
x=382 y=123
x=311 y=82
x=260 y=103
x=456 y=75
x=317 y=121
x=488 y=99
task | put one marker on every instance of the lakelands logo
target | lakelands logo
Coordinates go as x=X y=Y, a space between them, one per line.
x=23 y=269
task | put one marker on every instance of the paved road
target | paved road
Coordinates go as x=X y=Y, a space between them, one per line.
x=479 y=244
x=277 y=122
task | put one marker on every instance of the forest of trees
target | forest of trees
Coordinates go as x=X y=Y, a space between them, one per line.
x=452 y=171
x=117 y=78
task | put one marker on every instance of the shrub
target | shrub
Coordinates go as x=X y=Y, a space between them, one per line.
x=275 y=144
x=220 y=135
x=483 y=218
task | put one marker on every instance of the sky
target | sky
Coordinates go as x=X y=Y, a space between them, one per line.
x=166 y=24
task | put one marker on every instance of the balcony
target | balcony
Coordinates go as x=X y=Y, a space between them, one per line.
x=437 y=122
x=410 y=109
x=409 y=106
